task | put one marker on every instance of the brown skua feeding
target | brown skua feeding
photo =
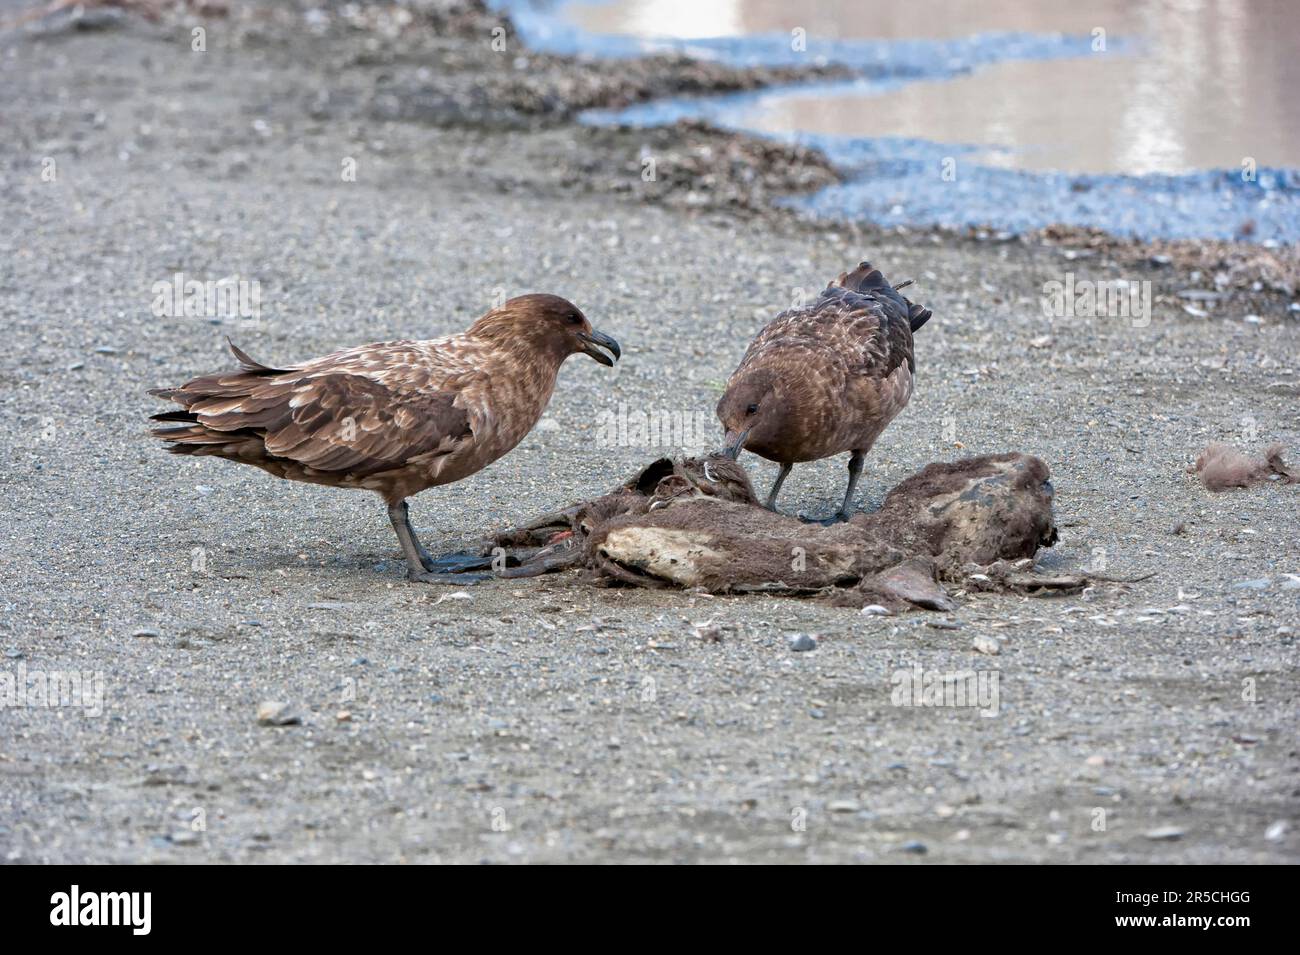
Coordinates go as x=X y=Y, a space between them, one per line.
x=825 y=378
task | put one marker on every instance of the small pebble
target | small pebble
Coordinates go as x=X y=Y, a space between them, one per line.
x=709 y=632
x=802 y=642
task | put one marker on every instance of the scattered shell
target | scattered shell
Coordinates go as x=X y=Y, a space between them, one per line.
x=454 y=595
x=1164 y=834
x=274 y=713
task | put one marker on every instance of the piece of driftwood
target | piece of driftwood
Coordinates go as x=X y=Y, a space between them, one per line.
x=695 y=523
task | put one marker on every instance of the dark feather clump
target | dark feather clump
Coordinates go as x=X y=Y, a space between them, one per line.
x=1222 y=467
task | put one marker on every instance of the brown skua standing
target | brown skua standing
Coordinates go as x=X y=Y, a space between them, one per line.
x=393 y=417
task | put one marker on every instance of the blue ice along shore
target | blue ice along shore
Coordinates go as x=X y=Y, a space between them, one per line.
x=892 y=181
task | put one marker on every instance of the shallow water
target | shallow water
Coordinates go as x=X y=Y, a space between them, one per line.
x=963 y=108
x=1209 y=84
